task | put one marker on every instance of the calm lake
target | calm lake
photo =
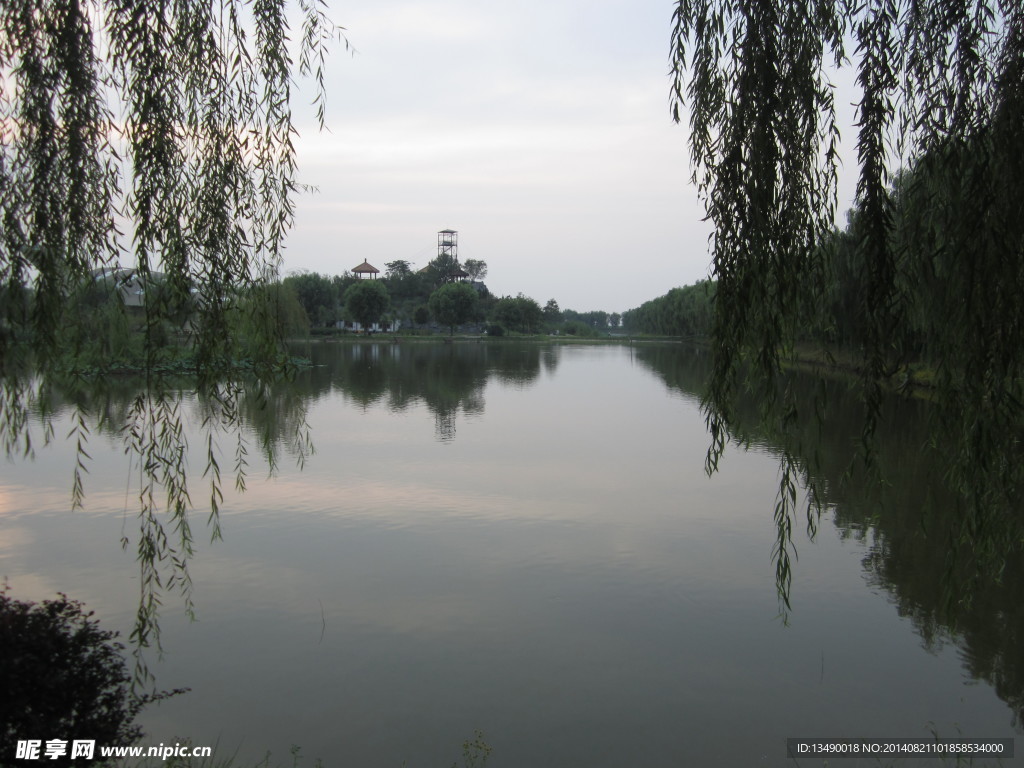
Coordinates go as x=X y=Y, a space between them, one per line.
x=521 y=539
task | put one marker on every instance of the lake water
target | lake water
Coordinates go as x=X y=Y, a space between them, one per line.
x=521 y=539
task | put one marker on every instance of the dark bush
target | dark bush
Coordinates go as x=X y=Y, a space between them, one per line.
x=62 y=677
x=576 y=328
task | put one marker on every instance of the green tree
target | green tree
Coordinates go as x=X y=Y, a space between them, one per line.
x=680 y=312
x=940 y=92
x=289 y=314
x=442 y=269
x=63 y=675
x=596 y=319
x=476 y=269
x=521 y=314
x=579 y=328
x=552 y=313
x=404 y=285
x=396 y=270
x=421 y=315
x=453 y=304
x=366 y=301
x=98 y=325
x=318 y=296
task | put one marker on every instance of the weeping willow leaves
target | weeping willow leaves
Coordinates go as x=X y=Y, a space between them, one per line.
x=160 y=133
x=169 y=120
x=941 y=93
x=155 y=439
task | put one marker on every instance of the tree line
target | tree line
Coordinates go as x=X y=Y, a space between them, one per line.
x=404 y=298
x=937 y=303
x=686 y=311
x=122 y=318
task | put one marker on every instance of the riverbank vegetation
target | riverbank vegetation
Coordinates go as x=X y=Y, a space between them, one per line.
x=116 y=320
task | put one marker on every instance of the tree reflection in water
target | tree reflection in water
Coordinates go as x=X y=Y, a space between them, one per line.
x=161 y=422
x=901 y=510
x=899 y=507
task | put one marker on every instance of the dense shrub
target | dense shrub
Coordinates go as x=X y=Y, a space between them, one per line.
x=62 y=677
x=577 y=328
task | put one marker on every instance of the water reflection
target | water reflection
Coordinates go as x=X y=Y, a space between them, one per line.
x=899 y=509
x=449 y=379
x=555 y=521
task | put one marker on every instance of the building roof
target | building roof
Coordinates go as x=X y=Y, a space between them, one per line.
x=365 y=268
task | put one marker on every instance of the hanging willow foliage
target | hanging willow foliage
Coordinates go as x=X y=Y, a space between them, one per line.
x=159 y=134
x=168 y=120
x=942 y=96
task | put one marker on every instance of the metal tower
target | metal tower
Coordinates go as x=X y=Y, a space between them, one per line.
x=448 y=244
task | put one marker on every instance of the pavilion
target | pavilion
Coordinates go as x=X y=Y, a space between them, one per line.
x=364 y=269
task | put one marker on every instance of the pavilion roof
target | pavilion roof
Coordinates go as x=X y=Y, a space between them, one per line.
x=365 y=268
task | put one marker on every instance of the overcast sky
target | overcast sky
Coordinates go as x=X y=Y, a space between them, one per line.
x=538 y=129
